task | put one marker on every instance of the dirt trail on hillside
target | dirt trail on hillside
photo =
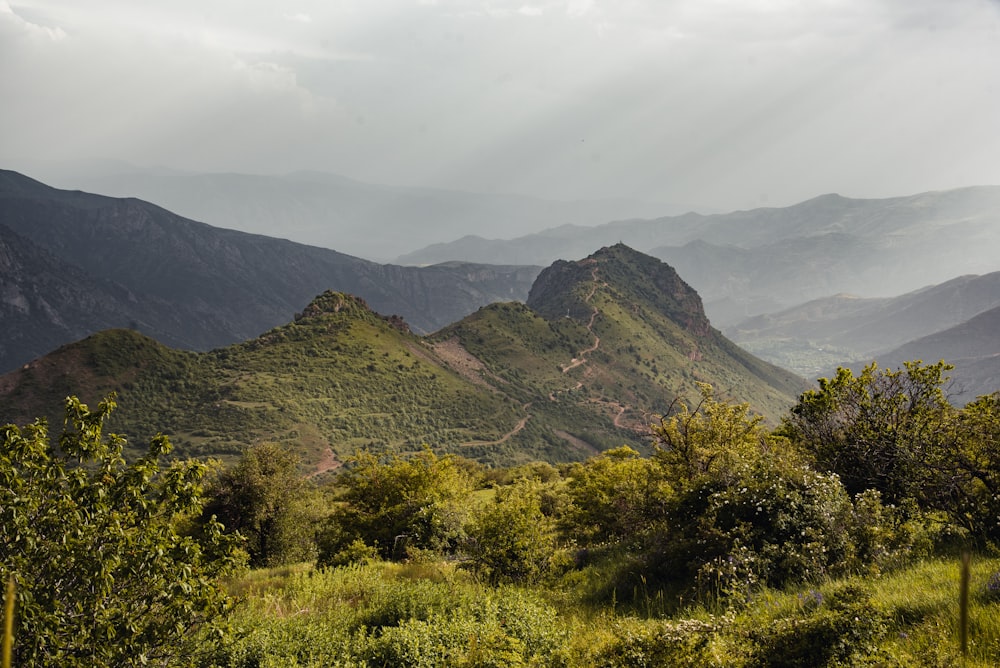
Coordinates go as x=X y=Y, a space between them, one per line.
x=329 y=462
x=506 y=437
x=470 y=367
x=581 y=357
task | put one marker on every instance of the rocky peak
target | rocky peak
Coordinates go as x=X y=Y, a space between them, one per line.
x=634 y=277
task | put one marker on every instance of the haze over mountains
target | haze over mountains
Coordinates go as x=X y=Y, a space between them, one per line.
x=373 y=221
x=763 y=260
x=813 y=338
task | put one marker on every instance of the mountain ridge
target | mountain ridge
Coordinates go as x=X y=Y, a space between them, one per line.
x=760 y=260
x=223 y=285
x=504 y=384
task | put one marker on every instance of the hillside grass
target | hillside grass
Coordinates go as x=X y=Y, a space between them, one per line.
x=436 y=614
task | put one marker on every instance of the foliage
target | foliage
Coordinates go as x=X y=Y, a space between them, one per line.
x=710 y=442
x=766 y=523
x=384 y=615
x=832 y=629
x=883 y=429
x=265 y=498
x=613 y=496
x=397 y=506
x=511 y=539
x=682 y=644
x=974 y=494
x=103 y=576
x=430 y=614
x=894 y=432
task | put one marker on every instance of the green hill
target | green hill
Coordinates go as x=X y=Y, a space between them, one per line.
x=609 y=343
x=603 y=346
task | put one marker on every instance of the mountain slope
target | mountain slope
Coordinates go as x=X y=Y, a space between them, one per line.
x=228 y=285
x=45 y=302
x=507 y=383
x=844 y=328
x=973 y=347
x=618 y=333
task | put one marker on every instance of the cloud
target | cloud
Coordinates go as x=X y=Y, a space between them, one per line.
x=14 y=26
x=718 y=101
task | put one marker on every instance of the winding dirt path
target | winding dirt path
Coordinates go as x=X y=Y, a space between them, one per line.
x=581 y=357
x=506 y=437
x=579 y=360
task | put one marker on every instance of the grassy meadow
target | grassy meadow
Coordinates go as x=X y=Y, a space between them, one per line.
x=437 y=614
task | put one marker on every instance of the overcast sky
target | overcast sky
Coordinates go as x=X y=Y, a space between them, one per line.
x=723 y=103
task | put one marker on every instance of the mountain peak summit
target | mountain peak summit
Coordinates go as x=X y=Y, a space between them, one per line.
x=632 y=278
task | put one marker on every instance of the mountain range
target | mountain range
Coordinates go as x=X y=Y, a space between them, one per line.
x=813 y=338
x=746 y=263
x=601 y=347
x=72 y=263
x=373 y=221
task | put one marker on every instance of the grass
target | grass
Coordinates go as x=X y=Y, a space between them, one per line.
x=406 y=614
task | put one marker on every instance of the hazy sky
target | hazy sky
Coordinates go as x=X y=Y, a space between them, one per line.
x=724 y=103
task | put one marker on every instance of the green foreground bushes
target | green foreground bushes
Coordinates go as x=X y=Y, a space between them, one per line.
x=730 y=545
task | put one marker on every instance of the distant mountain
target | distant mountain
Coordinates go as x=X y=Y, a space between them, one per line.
x=45 y=301
x=815 y=337
x=973 y=347
x=603 y=346
x=377 y=222
x=124 y=262
x=746 y=263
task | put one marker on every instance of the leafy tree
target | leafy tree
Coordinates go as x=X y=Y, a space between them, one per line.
x=511 y=539
x=745 y=510
x=613 y=496
x=971 y=482
x=104 y=578
x=710 y=441
x=397 y=507
x=767 y=522
x=883 y=429
x=265 y=498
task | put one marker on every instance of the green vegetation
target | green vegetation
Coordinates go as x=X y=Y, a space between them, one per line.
x=436 y=615
x=828 y=536
x=105 y=573
x=266 y=500
x=731 y=544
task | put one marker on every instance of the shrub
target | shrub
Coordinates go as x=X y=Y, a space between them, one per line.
x=104 y=577
x=510 y=539
x=771 y=524
x=827 y=631
x=397 y=505
x=680 y=644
